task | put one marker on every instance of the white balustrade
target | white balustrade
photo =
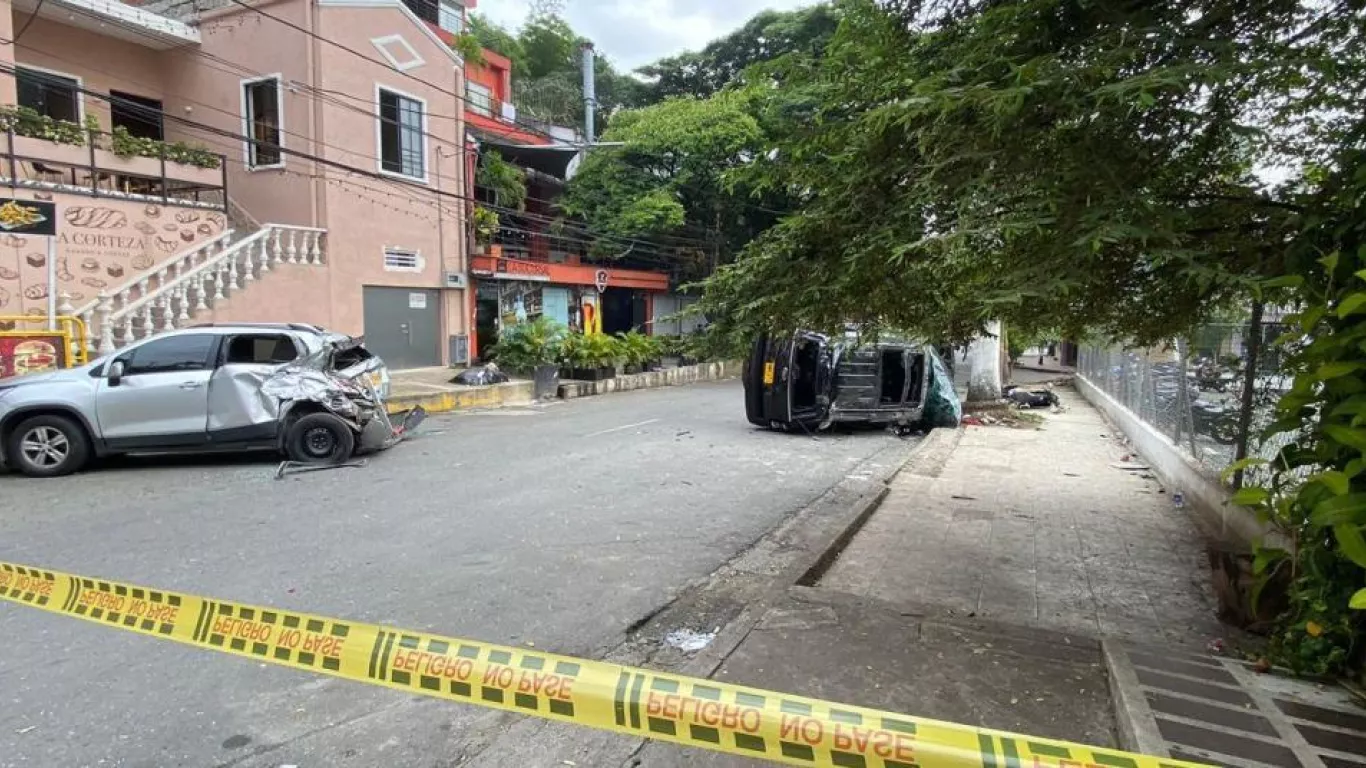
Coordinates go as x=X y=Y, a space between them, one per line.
x=136 y=308
x=103 y=306
x=248 y=268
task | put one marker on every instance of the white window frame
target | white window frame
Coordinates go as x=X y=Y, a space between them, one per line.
x=380 y=88
x=458 y=11
x=418 y=264
x=80 y=86
x=485 y=110
x=246 y=120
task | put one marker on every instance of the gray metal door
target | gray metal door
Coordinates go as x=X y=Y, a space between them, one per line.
x=403 y=326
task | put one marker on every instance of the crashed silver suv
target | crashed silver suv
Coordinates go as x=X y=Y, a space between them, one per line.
x=314 y=395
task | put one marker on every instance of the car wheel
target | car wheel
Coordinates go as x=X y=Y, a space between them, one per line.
x=48 y=446
x=320 y=438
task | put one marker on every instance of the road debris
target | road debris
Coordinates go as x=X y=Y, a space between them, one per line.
x=689 y=641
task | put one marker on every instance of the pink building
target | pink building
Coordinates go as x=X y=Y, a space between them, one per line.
x=217 y=160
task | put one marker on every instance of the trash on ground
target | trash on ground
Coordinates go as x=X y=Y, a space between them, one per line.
x=1130 y=466
x=481 y=377
x=689 y=641
x=299 y=467
x=1032 y=398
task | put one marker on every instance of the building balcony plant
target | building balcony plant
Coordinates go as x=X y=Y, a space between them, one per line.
x=34 y=137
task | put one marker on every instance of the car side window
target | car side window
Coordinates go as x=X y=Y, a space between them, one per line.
x=186 y=352
x=261 y=349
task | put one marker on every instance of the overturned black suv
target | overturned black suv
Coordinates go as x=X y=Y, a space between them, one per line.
x=809 y=381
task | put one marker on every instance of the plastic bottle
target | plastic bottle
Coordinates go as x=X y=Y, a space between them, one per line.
x=1178 y=500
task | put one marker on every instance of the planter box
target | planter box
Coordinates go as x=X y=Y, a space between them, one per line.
x=151 y=167
x=546 y=379
x=69 y=155
x=588 y=374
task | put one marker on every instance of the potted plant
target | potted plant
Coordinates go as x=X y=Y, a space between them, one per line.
x=573 y=355
x=589 y=357
x=606 y=353
x=639 y=352
x=533 y=348
x=486 y=224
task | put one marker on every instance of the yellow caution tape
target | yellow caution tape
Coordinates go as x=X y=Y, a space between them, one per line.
x=700 y=713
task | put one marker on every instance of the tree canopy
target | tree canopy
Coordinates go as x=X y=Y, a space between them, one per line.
x=547 y=80
x=767 y=36
x=671 y=177
x=1085 y=165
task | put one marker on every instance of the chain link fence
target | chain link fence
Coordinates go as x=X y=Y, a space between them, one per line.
x=1193 y=391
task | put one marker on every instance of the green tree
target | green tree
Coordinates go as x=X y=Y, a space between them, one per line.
x=547 y=79
x=493 y=37
x=1048 y=162
x=767 y=36
x=670 y=177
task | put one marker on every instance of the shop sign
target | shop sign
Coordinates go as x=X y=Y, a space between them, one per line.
x=31 y=353
x=516 y=269
x=600 y=280
x=27 y=217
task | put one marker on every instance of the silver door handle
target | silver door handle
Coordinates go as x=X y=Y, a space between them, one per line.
x=190 y=385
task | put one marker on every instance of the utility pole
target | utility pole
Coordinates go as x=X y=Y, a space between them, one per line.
x=590 y=95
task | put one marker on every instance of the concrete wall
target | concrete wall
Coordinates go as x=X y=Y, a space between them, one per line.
x=1221 y=522
x=102 y=244
x=366 y=215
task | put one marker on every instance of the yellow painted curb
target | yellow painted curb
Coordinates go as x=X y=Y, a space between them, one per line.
x=512 y=393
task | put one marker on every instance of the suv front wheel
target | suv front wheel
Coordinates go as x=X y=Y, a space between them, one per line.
x=47 y=446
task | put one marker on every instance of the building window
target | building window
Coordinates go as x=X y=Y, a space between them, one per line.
x=450 y=17
x=479 y=99
x=138 y=115
x=402 y=139
x=402 y=260
x=262 y=108
x=48 y=94
x=447 y=14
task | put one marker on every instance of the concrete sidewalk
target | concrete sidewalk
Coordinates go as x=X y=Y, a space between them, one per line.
x=1038 y=527
x=986 y=588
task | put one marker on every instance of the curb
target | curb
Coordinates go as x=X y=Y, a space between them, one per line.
x=1133 y=718
x=813 y=567
x=493 y=396
x=670 y=377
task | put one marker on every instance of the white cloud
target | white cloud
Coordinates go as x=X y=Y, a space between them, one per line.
x=636 y=32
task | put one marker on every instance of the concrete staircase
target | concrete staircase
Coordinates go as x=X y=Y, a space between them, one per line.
x=172 y=293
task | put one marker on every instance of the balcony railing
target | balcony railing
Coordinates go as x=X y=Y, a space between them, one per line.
x=86 y=164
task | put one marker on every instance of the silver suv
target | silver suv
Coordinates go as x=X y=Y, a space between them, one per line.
x=315 y=395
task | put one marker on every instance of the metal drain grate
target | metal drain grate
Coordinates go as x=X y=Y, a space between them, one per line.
x=1219 y=711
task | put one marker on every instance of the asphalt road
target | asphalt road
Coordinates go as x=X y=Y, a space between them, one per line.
x=559 y=526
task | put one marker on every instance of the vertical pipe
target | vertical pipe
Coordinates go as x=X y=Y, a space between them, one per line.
x=590 y=96
x=13 y=180
x=51 y=282
x=1254 y=348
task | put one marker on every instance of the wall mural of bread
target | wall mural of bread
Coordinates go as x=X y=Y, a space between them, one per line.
x=95 y=217
x=101 y=244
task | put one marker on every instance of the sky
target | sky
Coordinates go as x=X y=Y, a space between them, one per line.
x=635 y=32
